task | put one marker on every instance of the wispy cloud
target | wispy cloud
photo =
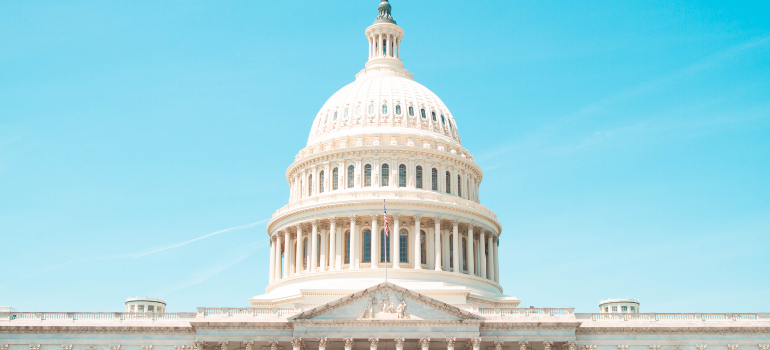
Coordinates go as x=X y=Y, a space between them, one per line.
x=133 y=255
x=544 y=136
x=208 y=273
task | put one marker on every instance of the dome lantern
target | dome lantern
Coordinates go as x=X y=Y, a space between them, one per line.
x=384 y=16
x=384 y=40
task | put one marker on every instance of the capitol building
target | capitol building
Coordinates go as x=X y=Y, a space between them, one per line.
x=383 y=244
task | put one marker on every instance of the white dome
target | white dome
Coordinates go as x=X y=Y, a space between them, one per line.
x=384 y=100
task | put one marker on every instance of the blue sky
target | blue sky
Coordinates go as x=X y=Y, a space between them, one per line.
x=625 y=145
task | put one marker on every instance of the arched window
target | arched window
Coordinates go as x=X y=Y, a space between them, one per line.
x=403 y=244
x=434 y=179
x=310 y=185
x=422 y=112
x=347 y=247
x=346 y=114
x=304 y=253
x=448 y=182
x=384 y=109
x=335 y=116
x=423 y=247
x=442 y=120
x=326 y=118
x=351 y=175
x=371 y=109
x=418 y=175
x=402 y=175
x=367 y=175
x=411 y=111
x=459 y=187
x=384 y=247
x=321 y=182
x=433 y=115
x=367 y=246
x=335 y=177
x=398 y=109
x=385 y=175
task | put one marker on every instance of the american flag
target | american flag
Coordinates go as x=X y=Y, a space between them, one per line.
x=387 y=228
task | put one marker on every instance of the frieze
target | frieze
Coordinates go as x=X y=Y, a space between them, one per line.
x=747 y=329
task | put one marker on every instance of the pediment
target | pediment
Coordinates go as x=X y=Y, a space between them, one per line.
x=386 y=301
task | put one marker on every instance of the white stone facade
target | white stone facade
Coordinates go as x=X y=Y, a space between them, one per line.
x=328 y=258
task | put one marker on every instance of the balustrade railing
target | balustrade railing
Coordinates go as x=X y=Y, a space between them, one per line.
x=525 y=312
x=93 y=316
x=359 y=193
x=683 y=317
x=245 y=312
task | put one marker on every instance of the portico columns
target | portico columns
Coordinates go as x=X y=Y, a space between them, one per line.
x=497 y=260
x=476 y=343
x=417 y=247
x=354 y=258
x=482 y=255
x=332 y=243
x=298 y=256
x=322 y=343
x=437 y=242
x=450 y=343
x=375 y=250
x=373 y=343
x=395 y=254
x=470 y=249
x=456 y=249
x=399 y=343
x=348 y=341
x=490 y=258
x=424 y=343
x=273 y=243
x=277 y=259
x=286 y=259
x=313 y=246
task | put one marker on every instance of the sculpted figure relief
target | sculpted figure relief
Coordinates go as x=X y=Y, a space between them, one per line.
x=384 y=306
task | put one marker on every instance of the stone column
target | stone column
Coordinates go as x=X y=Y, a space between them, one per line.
x=417 y=248
x=482 y=255
x=445 y=250
x=490 y=257
x=286 y=260
x=469 y=246
x=399 y=343
x=348 y=341
x=322 y=343
x=298 y=256
x=424 y=344
x=497 y=260
x=475 y=343
x=456 y=249
x=375 y=246
x=437 y=242
x=296 y=343
x=322 y=266
x=277 y=258
x=313 y=246
x=373 y=343
x=450 y=343
x=354 y=258
x=272 y=259
x=395 y=243
x=332 y=243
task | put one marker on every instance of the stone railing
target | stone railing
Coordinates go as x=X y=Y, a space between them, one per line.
x=675 y=317
x=244 y=312
x=378 y=192
x=94 y=316
x=505 y=313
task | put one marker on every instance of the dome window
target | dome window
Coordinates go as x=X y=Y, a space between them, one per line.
x=433 y=115
x=422 y=112
x=358 y=110
x=385 y=108
x=335 y=116
x=385 y=174
x=371 y=109
x=448 y=182
x=321 y=182
x=367 y=175
x=418 y=175
x=433 y=179
x=326 y=119
x=351 y=174
x=335 y=176
x=411 y=111
x=442 y=120
x=346 y=114
x=398 y=109
x=402 y=175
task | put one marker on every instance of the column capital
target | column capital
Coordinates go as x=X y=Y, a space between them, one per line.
x=471 y=226
x=322 y=342
x=498 y=345
x=437 y=220
x=548 y=345
x=523 y=345
x=450 y=341
x=374 y=217
x=353 y=218
x=399 y=341
x=314 y=223
x=333 y=219
x=475 y=342
x=374 y=341
x=395 y=217
x=418 y=217
x=247 y=345
x=455 y=222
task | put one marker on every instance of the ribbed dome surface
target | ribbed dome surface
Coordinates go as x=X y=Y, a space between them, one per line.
x=382 y=101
